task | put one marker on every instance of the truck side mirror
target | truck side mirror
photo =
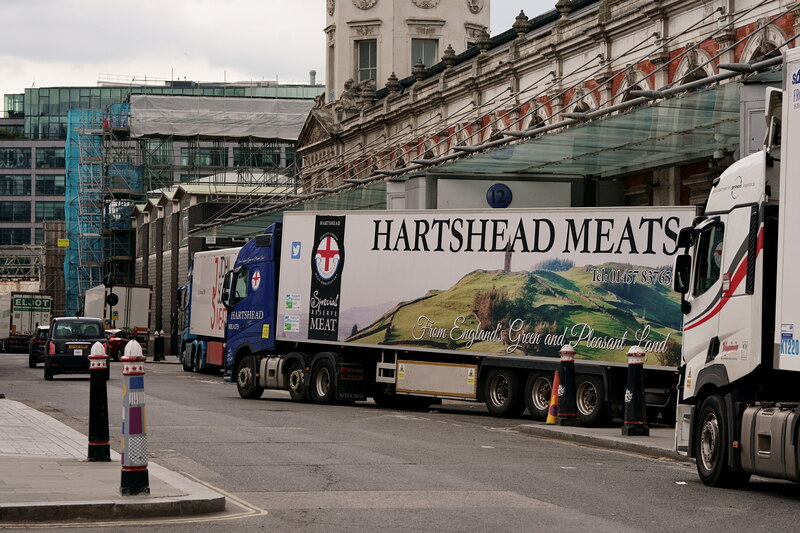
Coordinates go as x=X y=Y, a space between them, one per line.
x=686 y=238
x=226 y=289
x=681 y=272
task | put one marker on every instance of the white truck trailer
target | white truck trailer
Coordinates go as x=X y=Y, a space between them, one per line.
x=738 y=407
x=201 y=313
x=130 y=313
x=419 y=306
x=20 y=313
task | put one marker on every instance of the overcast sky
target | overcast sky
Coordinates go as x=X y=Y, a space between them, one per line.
x=49 y=43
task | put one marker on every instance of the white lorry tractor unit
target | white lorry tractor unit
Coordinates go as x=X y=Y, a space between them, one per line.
x=412 y=307
x=740 y=386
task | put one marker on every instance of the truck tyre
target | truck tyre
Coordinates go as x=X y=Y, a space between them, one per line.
x=246 y=379
x=323 y=383
x=590 y=400
x=538 y=390
x=298 y=386
x=503 y=393
x=186 y=360
x=711 y=449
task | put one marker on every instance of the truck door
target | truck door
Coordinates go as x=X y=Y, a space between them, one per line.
x=701 y=325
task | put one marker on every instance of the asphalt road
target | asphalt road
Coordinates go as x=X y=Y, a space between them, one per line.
x=305 y=467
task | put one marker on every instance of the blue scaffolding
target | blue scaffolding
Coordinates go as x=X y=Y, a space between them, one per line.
x=83 y=205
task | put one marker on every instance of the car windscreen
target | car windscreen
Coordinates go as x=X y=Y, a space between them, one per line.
x=77 y=330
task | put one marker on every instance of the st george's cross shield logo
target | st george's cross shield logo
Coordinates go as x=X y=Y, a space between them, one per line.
x=327 y=257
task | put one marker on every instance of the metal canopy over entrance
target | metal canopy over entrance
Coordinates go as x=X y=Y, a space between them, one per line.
x=677 y=130
x=685 y=128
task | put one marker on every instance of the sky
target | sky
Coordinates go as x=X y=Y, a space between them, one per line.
x=52 y=43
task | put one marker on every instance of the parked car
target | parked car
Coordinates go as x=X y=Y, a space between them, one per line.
x=69 y=344
x=37 y=345
x=117 y=339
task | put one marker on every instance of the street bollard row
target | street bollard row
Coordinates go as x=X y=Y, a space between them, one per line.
x=135 y=477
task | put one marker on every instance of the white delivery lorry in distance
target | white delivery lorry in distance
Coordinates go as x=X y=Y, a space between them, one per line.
x=20 y=313
x=738 y=411
x=130 y=313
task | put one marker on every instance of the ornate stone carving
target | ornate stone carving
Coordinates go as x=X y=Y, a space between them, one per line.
x=331 y=7
x=365 y=30
x=364 y=4
x=475 y=6
x=425 y=29
x=426 y=4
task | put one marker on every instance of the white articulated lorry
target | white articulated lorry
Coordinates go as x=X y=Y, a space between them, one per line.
x=201 y=314
x=411 y=307
x=740 y=385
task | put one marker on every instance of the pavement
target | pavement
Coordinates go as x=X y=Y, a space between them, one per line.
x=45 y=475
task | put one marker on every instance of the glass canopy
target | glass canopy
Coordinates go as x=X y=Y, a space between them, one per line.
x=681 y=129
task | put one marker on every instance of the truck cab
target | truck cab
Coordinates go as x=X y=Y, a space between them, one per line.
x=250 y=295
x=738 y=405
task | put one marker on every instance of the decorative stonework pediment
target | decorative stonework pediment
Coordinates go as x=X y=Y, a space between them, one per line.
x=426 y=4
x=364 y=4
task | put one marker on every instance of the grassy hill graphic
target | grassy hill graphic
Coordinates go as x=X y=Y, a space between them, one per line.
x=547 y=302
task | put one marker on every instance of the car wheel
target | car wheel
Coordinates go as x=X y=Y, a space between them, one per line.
x=48 y=374
x=32 y=361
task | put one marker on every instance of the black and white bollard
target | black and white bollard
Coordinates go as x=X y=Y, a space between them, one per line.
x=567 y=407
x=635 y=419
x=135 y=478
x=99 y=448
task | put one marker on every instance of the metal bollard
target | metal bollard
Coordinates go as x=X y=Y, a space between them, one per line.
x=635 y=419
x=99 y=448
x=567 y=408
x=135 y=478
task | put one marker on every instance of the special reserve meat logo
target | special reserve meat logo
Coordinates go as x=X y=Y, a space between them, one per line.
x=327 y=263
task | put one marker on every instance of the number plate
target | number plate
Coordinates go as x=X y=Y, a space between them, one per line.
x=77 y=352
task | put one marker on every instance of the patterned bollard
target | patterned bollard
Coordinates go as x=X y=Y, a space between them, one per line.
x=135 y=478
x=567 y=408
x=635 y=419
x=99 y=448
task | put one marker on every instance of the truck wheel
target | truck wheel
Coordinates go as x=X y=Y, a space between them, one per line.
x=298 y=389
x=711 y=449
x=538 y=390
x=322 y=383
x=186 y=360
x=503 y=393
x=246 y=379
x=590 y=400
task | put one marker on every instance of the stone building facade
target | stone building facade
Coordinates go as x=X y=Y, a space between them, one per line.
x=554 y=71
